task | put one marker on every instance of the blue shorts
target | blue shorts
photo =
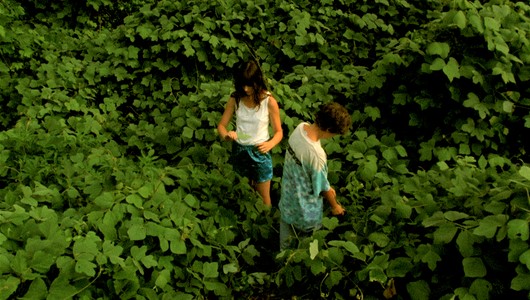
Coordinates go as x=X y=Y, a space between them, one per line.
x=251 y=163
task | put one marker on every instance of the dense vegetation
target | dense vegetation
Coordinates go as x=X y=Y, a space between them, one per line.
x=115 y=184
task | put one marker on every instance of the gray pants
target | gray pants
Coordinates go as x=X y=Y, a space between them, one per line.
x=289 y=235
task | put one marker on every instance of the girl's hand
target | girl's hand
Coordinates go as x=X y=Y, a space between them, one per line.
x=265 y=147
x=231 y=136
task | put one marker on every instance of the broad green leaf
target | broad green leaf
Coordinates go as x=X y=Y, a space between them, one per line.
x=474 y=267
x=178 y=246
x=336 y=255
x=521 y=282
x=403 y=209
x=508 y=106
x=146 y=190
x=465 y=242
x=442 y=165
x=390 y=155
x=431 y=258
x=436 y=219
x=455 y=215
x=230 y=268
x=210 y=270
x=149 y=261
x=218 y=288
x=5 y=262
x=348 y=245
x=401 y=151
x=333 y=279
x=42 y=261
x=505 y=70
x=317 y=267
x=377 y=275
x=8 y=285
x=445 y=233
x=373 y=112
x=496 y=206
x=191 y=200
x=187 y=132
x=476 y=22
x=517 y=248
x=452 y=69
x=481 y=288
x=379 y=238
x=62 y=289
x=369 y=168
x=399 y=267
x=87 y=246
x=105 y=200
x=135 y=200
x=525 y=258
x=330 y=223
x=138 y=252
x=437 y=64
x=518 y=229
x=163 y=278
x=488 y=226
x=313 y=249
x=460 y=19
x=492 y=24
x=474 y=102
x=85 y=266
x=108 y=226
x=37 y=290
x=440 y=49
x=525 y=172
x=137 y=232
x=113 y=252
x=419 y=290
x=501 y=46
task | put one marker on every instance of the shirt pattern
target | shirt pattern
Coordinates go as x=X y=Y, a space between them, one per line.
x=302 y=182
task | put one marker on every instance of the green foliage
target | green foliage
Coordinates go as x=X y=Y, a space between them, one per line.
x=115 y=184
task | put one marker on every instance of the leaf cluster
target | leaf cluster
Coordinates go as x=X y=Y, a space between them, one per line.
x=115 y=183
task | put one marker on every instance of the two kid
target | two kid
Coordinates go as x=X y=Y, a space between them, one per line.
x=304 y=181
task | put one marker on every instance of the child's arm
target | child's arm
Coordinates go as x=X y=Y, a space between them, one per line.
x=331 y=196
x=225 y=120
x=274 y=115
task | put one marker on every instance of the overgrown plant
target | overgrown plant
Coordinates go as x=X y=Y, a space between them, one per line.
x=115 y=183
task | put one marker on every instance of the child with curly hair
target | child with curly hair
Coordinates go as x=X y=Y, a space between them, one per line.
x=304 y=181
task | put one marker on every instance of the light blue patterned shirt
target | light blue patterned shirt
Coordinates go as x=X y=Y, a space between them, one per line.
x=304 y=178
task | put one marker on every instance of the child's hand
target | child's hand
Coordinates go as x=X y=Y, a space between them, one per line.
x=231 y=136
x=265 y=147
x=337 y=210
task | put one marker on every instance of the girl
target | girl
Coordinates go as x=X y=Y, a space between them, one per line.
x=255 y=108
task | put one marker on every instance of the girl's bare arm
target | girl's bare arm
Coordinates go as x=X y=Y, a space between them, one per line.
x=225 y=120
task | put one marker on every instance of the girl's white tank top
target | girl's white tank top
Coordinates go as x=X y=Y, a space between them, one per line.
x=252 y=124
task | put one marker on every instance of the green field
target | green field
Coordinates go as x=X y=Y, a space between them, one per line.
x=115 y=184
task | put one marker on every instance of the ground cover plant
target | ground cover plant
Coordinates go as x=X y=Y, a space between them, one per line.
x=114 y=183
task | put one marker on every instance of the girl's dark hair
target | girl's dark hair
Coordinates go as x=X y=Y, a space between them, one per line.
x=333 y=117
x=249 y=73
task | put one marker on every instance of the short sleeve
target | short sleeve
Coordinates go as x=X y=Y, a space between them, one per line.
x=320 y=180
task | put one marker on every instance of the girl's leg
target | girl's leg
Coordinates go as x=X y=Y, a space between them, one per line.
x=264 y=189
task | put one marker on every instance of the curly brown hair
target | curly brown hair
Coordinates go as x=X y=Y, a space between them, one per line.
x=333 y=117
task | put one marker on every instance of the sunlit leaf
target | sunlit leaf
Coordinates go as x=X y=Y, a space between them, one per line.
x=313 y=249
